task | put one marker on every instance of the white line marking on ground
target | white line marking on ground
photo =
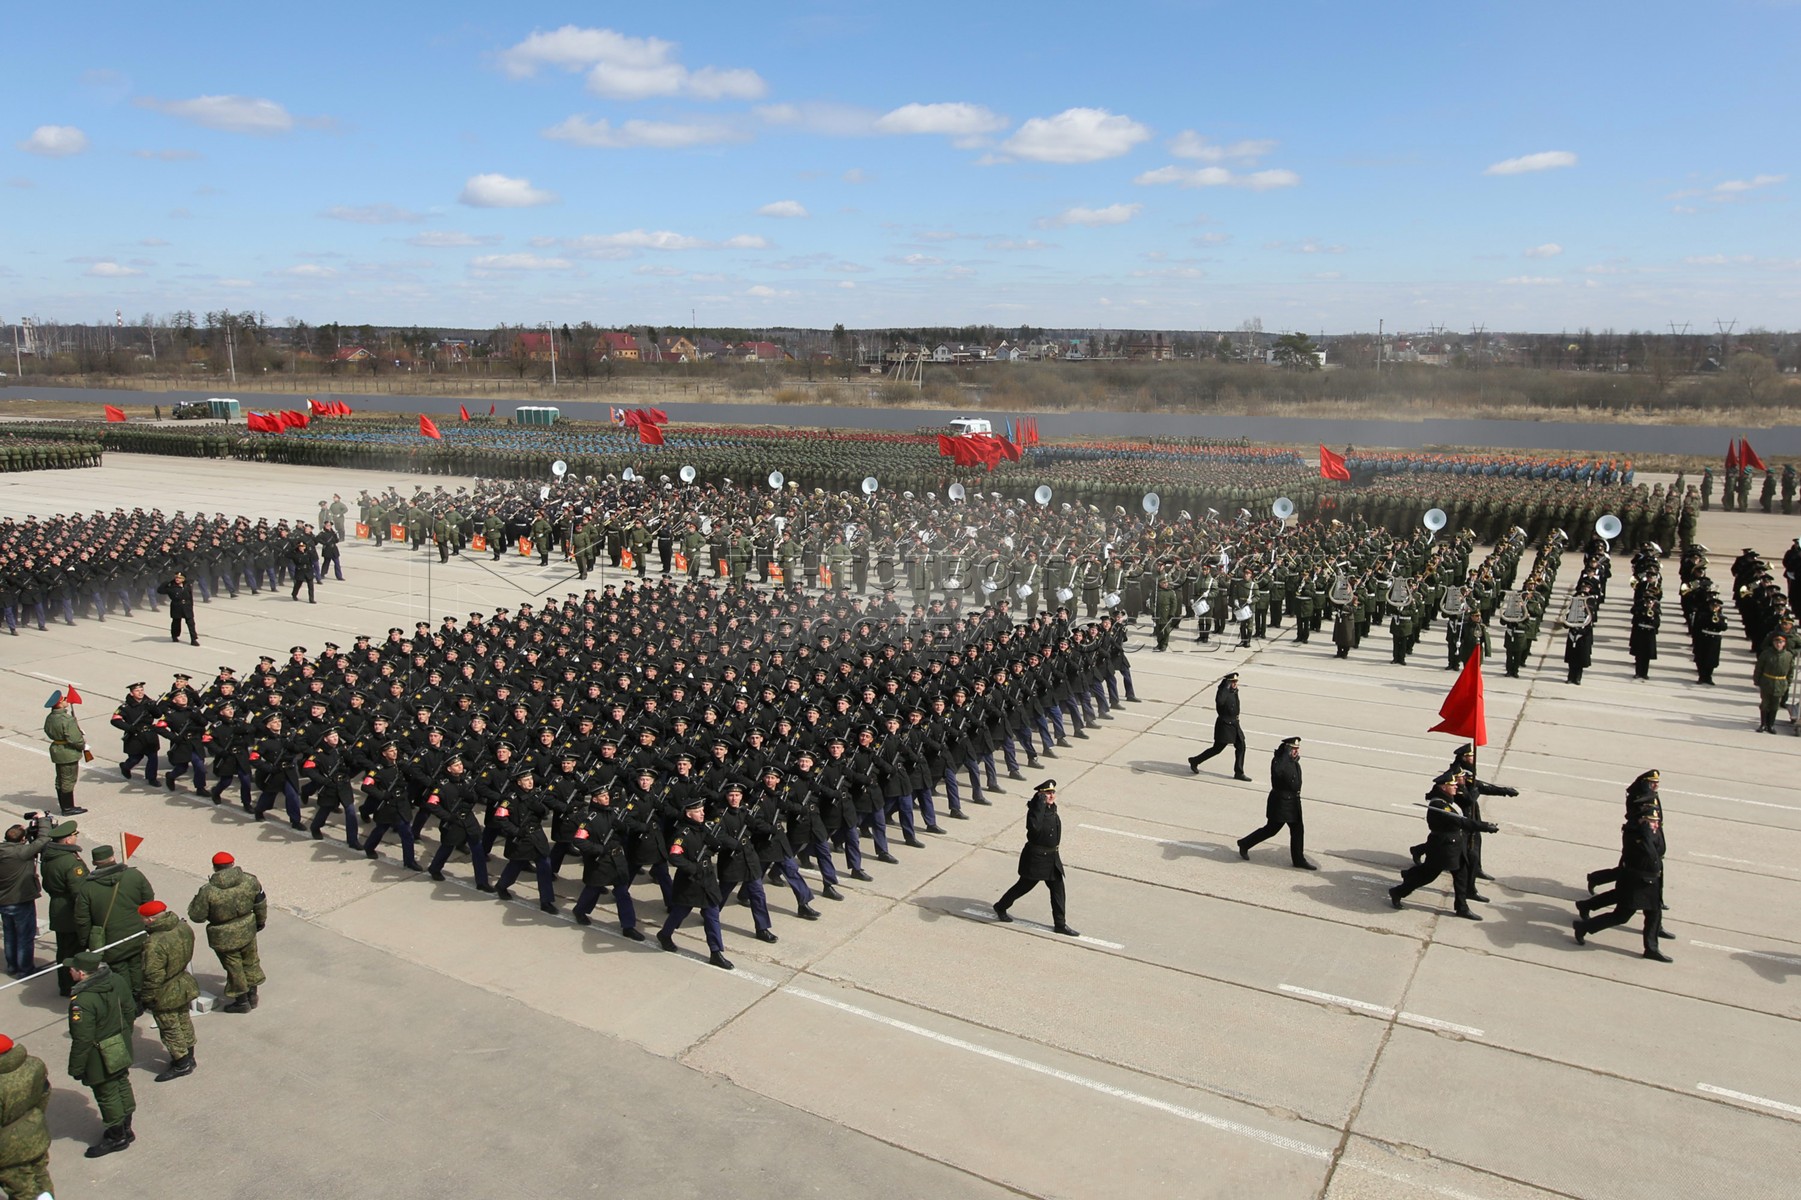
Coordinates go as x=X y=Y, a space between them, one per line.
x=987 y=915
x=1145 y=837
x=1381 y=1010
x=1781 y=958
x=1779 y=1106
x=1743 y=862
x=1188 y=1114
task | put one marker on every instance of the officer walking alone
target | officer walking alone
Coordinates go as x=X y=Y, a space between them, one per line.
x=1226 y=729
x=1039 y=859
x=1284 y=806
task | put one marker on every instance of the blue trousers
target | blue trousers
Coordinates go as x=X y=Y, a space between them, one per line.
x=853 y=851
x=822 y=858
x=922 y=800
x=953 y=794
x=622 y=900
x=193 y=762
x=796 y=883
x=709 y=916
x=876 y=826
x=547 y=893
x=149 y=768
x=901 y=805
x=222 y=781
x=759 y=899
x=20 y=922
x=442 y=856
x=406 y=841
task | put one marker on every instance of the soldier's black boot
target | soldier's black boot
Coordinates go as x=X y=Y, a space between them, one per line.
x=253 y=1000
x=177 y=1068
x=240 y=1005
x=125 y=1127
x=112 y=1141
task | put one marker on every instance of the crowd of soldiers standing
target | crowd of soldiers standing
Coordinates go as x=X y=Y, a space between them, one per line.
x=25 y=453
x=1735 y=493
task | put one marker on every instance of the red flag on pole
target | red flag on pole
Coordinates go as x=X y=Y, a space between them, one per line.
x=71 y=695
x=114 y=415
x=1332 y=466
x=428 y=429
x=1731 y=455
x=1463 y=714
x=343 y=409
x=464 y=409
x=946 y=447
x=132 y=841
x=1748 y=457
x=490 y=410
x=649 y=434
x=658 y=416
x=1010 y=449
x=630 y=418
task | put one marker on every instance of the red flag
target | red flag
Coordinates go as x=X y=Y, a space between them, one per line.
x=1748 y=457
x=1010 y=449
x=658 y=416
x=132 y=842
x=254 y=422
x=428 y=429
x=71 y=695
x=649 y=434
x=343 y=409
x=631 y=418
x=298 y=419
x=318 y=409
x=1331 y=466
x=490 y=410
x=1462 y=713
x=464 y=410
x=114 y=415
x=947 y=446
x=1731 y=455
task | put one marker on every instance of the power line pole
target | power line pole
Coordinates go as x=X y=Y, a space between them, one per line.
x=1725 y=328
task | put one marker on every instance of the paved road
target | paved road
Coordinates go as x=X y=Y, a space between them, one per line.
x=1222 y=1029
x=1781 y=441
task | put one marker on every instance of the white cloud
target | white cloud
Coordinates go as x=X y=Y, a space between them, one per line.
x=1205 y=177
x=856 y=175
x=788 y=209
x=954 y=119
x=111 y=270
x=1113 y=214
x=1018 y=244
x=153 y=241
x=1211 y=239
x=1532 y=280
x=658 y=135
x=1170 y=273
x=438 y=239
x=307 y=271
x=518 y=262
x=503 y=191
x=55 y=141
x=659 y=271
x=821 y=117
x=1189 y=144
x=630 y=242
x=847 y=285
x=1545 y=160
x=232 y=114
x=765 y=292
x=1075 y=135
x=746 y=241
x=917 y=260
x=1736 y=186
x=1305 y=246
x=373 y=214
x=621 y=67
x=173 y=155
x=1548 y=250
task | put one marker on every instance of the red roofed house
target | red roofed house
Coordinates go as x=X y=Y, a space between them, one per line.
x=621 y=346
x=762 y=352
x=351 y=354
x=536 y=346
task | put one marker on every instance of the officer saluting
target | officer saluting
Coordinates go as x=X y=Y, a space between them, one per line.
x=1039 y=861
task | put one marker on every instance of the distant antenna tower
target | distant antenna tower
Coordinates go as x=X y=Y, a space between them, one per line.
x=1725 y=328
x=1675 y=332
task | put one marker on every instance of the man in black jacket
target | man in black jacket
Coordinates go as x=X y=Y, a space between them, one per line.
x=181 y=606
x=1447 y=842
x=1639 y=887
x=1039 y=859
x=1226 y=729
x=1284 y=806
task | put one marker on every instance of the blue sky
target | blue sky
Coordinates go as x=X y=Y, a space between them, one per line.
x=1159 y=165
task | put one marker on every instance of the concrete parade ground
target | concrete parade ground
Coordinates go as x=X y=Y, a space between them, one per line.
x=1220 y=1029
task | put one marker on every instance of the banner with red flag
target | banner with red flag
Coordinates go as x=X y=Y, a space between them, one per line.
x=318 y=409
x=1748 y=457
x=1731 y=455
x=1332 y=466
x=659 y=417
x=649 y=434
x=254 y=423
x=464 y=409
x=946 y=446
x=131 y=841
x=343 y=408
x=72 y=696
x=630 y=418
x=1463 y=713
x=1010 y=449
x=114 y=415
x=490 y=410
x=428 y=429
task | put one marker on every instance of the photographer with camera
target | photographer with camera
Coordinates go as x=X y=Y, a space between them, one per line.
x=19 y=890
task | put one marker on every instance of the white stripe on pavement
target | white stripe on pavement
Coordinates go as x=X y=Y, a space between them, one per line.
x=1381 y=1010
x=1728 y=1093
x=1781 y=958
x=987 y=917
x=1277 y=1140
x=1146 y=837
